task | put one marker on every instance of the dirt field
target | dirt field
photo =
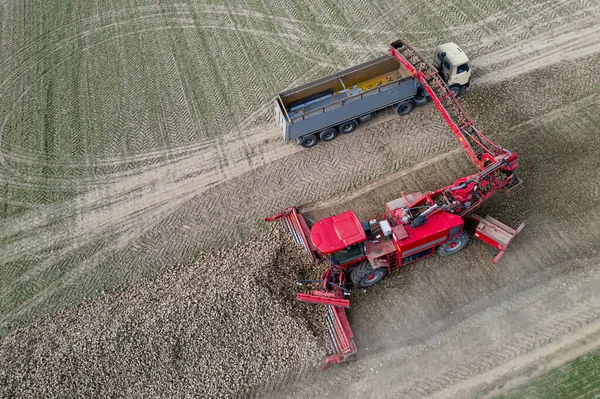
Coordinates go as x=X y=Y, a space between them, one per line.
x=135 y=136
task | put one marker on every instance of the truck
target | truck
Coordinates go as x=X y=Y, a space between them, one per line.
x=338 y=103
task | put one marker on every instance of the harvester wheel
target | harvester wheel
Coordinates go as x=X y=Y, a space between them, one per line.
x=347 y=127
x=308 y=141
x=453 y=245
x=404 y=108
x=363 y=275
x=328 y=134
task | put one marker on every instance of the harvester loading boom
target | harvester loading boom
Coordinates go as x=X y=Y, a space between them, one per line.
x=414 y=226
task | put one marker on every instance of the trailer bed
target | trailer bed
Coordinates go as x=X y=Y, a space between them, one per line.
x=343 y=96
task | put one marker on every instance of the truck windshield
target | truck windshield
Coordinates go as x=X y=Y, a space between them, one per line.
x=462 y=68
x=348 y=254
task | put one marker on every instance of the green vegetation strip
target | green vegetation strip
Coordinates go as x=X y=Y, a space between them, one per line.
x=579 y=378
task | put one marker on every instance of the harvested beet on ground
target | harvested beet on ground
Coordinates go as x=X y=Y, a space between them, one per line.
x=214 y=329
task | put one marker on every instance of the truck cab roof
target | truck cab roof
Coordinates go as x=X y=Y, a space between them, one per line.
x=454 y=54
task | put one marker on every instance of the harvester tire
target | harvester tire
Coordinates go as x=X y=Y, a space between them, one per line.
x=453 y=245
x=348 y=127
x=328 y=134
x=404 y=108
x=309 y=141
x=363 y=275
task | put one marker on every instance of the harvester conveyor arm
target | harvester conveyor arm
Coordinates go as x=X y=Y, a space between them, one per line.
x=479 y=148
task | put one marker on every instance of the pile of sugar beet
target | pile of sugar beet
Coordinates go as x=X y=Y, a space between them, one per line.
x=218 y=328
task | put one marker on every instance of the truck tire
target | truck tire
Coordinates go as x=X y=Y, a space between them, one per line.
x=328 y=134
x=404 y=108
x=455 y=89
x=348 y=127
x=453 y=245
x=366 y=117
x=420 y=100
x=363 y=275
x=421 y=97
x=308 y=141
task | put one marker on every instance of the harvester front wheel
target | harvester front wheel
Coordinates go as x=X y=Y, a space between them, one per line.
x=363 y=275
x=453 y=245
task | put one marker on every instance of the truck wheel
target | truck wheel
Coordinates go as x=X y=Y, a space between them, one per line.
x=420 y=100
x=455 y=89
x=366 y=118
x=328 y=134
x=363 y=275
x=348 y=127
x=453 y=245
x=421 y=97
x=404 y=108
x=309 y=141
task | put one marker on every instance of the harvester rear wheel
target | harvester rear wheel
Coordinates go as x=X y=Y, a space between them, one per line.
x=453 y=245
x=363 y=275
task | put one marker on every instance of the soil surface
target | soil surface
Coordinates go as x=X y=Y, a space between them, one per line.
x=226 y=325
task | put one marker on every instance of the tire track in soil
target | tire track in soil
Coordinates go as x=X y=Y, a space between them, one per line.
x=552 y=255
x=145 y=18
x=208 y=178
x=479 y=338
x=154 y=202
x=157 y=18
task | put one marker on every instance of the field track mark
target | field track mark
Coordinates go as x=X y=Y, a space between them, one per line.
x=464 y=358
x=344 y=197
x=569 y=43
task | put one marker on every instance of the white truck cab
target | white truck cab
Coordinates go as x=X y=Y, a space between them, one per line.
x=453 y=65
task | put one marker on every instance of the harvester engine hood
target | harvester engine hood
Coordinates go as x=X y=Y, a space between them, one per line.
x=335 y=233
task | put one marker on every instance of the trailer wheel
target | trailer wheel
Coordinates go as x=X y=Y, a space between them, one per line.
x=453 y=245
x=363 y=275
x=309 y=141
x=348 y=127
x=455 y=89
x=366 y=117
x=421 y=97
x=420 y=100
x=404 y=108
x=328 y=134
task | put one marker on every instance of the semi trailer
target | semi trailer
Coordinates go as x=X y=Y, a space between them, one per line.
x=338 y=103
